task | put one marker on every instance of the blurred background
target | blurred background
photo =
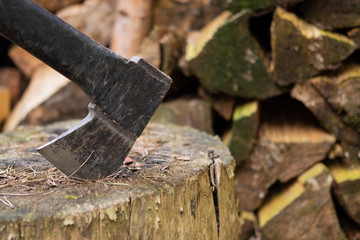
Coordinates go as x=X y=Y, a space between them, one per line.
x=277 y=80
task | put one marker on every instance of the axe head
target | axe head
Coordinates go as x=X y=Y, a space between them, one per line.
x=98 y=145
x=93 y=149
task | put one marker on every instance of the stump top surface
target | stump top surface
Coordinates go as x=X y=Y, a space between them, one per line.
x=164 y=156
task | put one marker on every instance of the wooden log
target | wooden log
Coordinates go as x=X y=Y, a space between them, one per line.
x=222 y=104
x=351 y=154
x=354 y=34
x=56 y=5
x=185 y=15
x=44 y=83
x=331 y=14
x=10 y=78
x=302 y=210
x=290 y=142
x=93 y=18
x=24 y=61
x=301 y=50
x=300 y=140
x=175 y=188
x=238 y=5
x=132 y=23
x=347 y=188
x=329 y=119
x=342 y=93
x=226 y=58
x=162 y=48
x=241 y=137
x=59 y=107
x=248 y=224
x=5 y=103
x=184 y=111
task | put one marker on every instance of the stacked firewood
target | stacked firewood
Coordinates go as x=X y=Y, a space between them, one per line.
x=278 y=81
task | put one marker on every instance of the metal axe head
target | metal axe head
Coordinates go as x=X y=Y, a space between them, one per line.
x=98 y=145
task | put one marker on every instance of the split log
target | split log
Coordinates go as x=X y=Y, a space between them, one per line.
x=24 y=61
x=289 y=142
x=44 y=83
x=342 y=93
x=354 y=34
x=222 y=104
x=162 y=48
x=241 y=137
x=302 y=210
x=331 y=14
x=347 y=189
x=351 y=154
x=11 y=78
x=59 y=107
x=56 y=5
x=226 y=58
x=94 y=18
x=301 y=50
x=248 y=225
x=185 y=15
x=179 y=185
x=131 y=24
x=194 y=113
x=4 y=103
x=238 y=5
x=329 y=119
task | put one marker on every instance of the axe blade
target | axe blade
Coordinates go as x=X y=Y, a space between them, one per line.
x=126 y=92
x=93 y=149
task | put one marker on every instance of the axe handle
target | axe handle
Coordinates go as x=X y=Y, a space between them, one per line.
x=55 y=42
x=129 y=91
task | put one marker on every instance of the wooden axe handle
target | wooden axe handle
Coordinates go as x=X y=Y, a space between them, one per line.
x=129 y=91
x=53 y=41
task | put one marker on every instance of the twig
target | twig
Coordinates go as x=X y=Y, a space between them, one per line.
x=7 y=202
x=17 y=194
x=82 y=164
x=25 y=194
x=115 y=183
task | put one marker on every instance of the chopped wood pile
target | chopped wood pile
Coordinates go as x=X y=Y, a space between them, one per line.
x=277 y=80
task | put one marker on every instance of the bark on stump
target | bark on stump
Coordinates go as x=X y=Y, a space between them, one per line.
x=177 y=184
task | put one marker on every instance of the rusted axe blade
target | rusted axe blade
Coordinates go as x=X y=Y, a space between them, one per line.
x=80 y=151
x=126 y=92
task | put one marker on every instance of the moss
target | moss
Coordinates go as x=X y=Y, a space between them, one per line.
x=244 y=127
x=237 y=5
x=231 y=62
x=245 y=110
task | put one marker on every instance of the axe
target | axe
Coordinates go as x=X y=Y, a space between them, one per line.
x=124 y=93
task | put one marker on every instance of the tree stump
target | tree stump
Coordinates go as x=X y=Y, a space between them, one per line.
x=176 y=183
